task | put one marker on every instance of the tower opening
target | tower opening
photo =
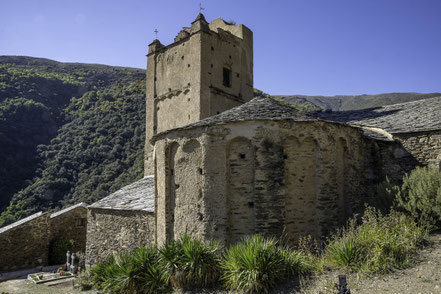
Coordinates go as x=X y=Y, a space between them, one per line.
x=227 y=77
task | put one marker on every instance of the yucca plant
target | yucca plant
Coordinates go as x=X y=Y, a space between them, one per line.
x=253 y=265
x=344 y=252
x=99 y=272
x=191 y=263
x=131 y=273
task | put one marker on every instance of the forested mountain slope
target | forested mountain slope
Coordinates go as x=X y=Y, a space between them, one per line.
x=68 y=132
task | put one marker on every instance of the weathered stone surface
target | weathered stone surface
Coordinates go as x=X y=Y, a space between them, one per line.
x=207 y=70
x=22 y=244
x=272 y=177
x=425 y=147
x=111 y=230
x=70 y=223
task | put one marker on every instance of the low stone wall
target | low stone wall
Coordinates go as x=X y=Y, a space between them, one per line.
x=111 y=230
x=22 y=245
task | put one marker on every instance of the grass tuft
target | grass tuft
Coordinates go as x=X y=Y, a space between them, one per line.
x=379 y=244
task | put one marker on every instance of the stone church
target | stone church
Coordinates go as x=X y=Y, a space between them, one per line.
x=222 y=165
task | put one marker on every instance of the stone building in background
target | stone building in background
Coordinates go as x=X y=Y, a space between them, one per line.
x=122 y=221
x=26 y=243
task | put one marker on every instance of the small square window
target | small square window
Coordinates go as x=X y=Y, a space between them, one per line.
x=80 y=222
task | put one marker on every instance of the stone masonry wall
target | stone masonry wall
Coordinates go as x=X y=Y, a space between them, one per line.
x=71 y=225
x=395 y=159
x=425 y=147
x=110 y=231
x=22 y=246
x=270 y=177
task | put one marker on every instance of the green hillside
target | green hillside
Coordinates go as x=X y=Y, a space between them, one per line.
x=68 y=132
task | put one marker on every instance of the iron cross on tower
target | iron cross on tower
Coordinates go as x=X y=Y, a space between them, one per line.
x=201 y=8
x=156 y=34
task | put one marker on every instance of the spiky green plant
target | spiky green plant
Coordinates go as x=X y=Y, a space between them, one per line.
x=253 y=265
x=131 y=273
x=344 y=252
x=191 y=263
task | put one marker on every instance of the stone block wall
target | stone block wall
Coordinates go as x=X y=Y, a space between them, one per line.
x=26 y=241
x=110 y=231
x=395 y=159
x=71 y=225
x=425 y=147
x=23 y=245
x=270 y=177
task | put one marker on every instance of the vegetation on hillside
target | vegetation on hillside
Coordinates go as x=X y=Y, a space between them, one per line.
x=68 y=133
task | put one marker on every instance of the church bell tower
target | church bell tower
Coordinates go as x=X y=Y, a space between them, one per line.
x=206 y=70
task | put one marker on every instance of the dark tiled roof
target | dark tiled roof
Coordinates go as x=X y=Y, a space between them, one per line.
x=259 y=108
x=22 y=221
x=139 y=195
x=81 y=204
x=415 y=116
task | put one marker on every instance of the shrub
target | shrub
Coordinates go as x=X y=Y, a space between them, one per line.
x=58 y=249
x=253 y=265
x=298 y=263
x=84 y=280
x=135 y=272
x=379 y=244
x=420 y=195
x=256 y=264
x=190 y=262
x=386 y=193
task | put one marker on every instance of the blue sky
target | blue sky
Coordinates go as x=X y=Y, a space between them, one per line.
x=311 y=47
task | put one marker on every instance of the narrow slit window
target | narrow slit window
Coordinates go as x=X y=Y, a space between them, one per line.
x=227 y=77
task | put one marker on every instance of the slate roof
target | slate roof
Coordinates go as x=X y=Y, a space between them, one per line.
x=376 y=123
x=259 y=108
x=409 y=117
x=81 y=204
x=22 y=221
x=139 y=195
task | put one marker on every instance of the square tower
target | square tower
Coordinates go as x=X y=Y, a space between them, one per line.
x=207 y=70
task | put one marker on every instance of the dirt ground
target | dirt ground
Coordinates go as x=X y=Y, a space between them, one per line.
x=423 y=278
x=23 y=286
